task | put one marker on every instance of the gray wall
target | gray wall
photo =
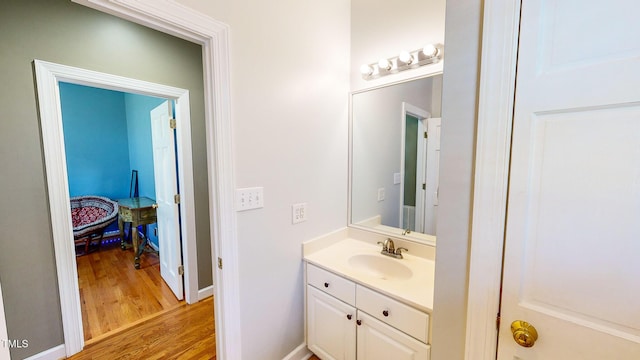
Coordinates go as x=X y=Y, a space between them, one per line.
x=61 y=32
x=459 y=112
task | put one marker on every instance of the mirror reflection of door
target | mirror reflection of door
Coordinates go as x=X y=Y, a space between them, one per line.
x=420 y=149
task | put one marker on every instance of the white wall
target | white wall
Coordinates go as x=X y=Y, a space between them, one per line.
x=289 y=97
x=381 y=29
x=377 y=151
x=457 y=146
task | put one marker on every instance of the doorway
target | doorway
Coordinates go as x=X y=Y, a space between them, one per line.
x=48 y=77
x=420 y=149
x=114 y=150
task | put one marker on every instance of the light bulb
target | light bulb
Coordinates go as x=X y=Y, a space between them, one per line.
x=430 y=50
x=384 y=64
x=366 y=69
x=405 y=57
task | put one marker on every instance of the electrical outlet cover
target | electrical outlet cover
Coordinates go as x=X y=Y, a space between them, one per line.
x=298 y=213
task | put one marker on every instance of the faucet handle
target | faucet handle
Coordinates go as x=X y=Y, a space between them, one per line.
x=384 y=245
x=399 y=250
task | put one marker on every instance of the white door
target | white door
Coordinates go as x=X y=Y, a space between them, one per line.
x=379 y=341
x=432 y=174
x=572 y=250
x=331 y=328
x=421 y=177
x=164 y=163
x=4 y=337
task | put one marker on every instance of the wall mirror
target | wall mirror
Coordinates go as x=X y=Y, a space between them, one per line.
x=394 y=158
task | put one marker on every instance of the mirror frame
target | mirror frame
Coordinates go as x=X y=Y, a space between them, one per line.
x=425 y=239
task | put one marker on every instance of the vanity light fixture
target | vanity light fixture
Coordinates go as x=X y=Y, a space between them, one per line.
x=405 y=57
x=366 y=70
x=385 y=64
x=429 y=54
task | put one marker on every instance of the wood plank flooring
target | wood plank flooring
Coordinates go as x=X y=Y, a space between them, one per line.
x=186 y=332
x=114 y=295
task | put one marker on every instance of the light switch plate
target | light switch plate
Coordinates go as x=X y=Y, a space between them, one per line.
x=298 y=213
x=381 y=194
x=249 y=198
x=396 y=178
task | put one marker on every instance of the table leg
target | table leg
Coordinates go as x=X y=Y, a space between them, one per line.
x=121 y=227
x=136 y=247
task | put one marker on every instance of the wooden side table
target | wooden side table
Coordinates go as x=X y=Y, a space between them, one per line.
x=137 y=211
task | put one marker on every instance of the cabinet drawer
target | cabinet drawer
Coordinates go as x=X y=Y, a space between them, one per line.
x=394 y=313
x=331 y=284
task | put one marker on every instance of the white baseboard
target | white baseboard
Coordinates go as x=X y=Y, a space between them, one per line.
x=205 y=293
x=55 y=353
x=299 y=353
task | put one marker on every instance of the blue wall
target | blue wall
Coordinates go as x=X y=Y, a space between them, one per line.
x=137 y=109
x=107 y=134
x=95 y=136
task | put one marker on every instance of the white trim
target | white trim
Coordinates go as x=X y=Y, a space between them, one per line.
x=205 y=293
x=178 y=20
x=299 y=353
x=495 y=113
x=55 y=353
x=48 y=76
x=4 y=350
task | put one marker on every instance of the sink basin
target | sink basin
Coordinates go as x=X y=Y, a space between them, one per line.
x=380 y=266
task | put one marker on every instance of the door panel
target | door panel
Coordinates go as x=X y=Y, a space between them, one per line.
x=164 y=162
x=379 y=341
x=432 y=174
x=573 y=232
x=331 y=334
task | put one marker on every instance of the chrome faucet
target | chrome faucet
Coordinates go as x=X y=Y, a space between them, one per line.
x=389 y=249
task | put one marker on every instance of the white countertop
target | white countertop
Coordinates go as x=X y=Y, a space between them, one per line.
x=416 y=291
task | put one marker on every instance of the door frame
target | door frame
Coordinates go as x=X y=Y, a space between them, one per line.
x=421 y=114
x=48 y=76
x=501 y=22
x=4 y=348
x=180 y=21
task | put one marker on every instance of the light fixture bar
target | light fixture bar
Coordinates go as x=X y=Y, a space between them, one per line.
x=427 y=55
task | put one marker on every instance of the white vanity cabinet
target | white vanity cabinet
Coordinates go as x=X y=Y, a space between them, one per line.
x=348 y=321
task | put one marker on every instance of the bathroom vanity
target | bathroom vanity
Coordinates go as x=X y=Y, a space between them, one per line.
x=361 y=304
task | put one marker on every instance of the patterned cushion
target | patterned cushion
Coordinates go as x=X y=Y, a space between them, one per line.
x=91 y=213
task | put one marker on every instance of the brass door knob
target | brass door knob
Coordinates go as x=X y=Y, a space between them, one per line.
x=524 y=333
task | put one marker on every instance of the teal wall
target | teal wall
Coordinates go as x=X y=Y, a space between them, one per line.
x=96 y=141
x=137 y=108
x=410 y=160
x=107 y=135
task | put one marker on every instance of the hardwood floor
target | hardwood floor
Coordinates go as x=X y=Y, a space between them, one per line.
x=186 y=332
x=114 y=295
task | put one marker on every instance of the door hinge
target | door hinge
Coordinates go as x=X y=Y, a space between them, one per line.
x=424 y=186
x=172 y=123
x=498 y=322
x=176 y=198
x=181 y=270
x=426 y=135
x=220 y=263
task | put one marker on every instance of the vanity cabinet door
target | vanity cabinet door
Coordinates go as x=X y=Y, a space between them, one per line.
x=379 y=341
x=331 y=329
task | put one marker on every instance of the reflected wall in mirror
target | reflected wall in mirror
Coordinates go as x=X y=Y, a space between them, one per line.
x=395 y=148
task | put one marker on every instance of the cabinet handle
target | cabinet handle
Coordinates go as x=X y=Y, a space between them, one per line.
x=359 y=322
x=385 y=312
x=349 y=316
x=326 y=284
